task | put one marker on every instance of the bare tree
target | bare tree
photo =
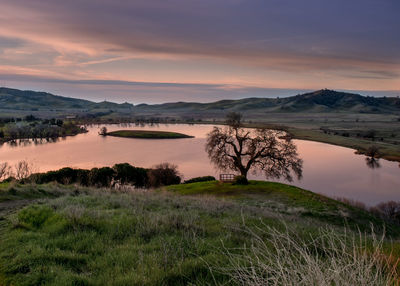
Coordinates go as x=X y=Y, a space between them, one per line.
x=5 y=171
x=373 y=151
x=390 y=210
x=23 y=169
x=260 y=150
x=103 y=131
x=373 y=154
x=164 y=174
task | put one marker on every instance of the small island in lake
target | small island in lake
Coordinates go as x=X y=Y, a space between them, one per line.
x=147 y=134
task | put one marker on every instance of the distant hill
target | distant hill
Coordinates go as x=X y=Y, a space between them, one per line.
x=318 y=101
x=27 y=100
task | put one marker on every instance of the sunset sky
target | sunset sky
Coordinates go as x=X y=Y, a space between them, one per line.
x=199 y=50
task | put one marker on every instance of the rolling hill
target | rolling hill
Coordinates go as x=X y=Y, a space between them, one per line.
x=318 y=101
x=15 y=99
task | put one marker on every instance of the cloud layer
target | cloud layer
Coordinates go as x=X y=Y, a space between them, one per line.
x=248 y=44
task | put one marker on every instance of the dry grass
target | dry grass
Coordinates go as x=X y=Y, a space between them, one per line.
x=86 y=236
x=276 y=257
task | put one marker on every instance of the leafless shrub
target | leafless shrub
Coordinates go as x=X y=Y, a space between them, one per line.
x=103 y=131
x=353 y=203
x=23 y=169
x=373 y=151
x=5 y=171
x=164 y=174
x=388 y=210
x=277 y=257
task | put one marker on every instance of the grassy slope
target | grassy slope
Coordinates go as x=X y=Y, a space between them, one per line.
x=81 y=236
x=286 y=199
x=388 y=151
x=146 y=134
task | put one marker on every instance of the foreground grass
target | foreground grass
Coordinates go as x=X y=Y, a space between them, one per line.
x=81 y=236
x=290 y=200
x=96 y=237
x=11 y=192
x=147 y=134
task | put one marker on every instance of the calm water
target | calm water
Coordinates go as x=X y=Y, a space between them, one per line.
x=330 y=170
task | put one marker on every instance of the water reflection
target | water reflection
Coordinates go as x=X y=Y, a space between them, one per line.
x=36 y=141
x=327 y=169
x=372 y=162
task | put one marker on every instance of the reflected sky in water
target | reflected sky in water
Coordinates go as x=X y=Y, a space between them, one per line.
x=331 y=170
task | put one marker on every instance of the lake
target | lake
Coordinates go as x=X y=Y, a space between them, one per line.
x=330 y=170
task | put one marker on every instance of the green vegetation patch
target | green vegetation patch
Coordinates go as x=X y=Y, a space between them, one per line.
x=148 y=134
x=12 y=191
x=287 y=199
x=121 y=239
x=100 y=236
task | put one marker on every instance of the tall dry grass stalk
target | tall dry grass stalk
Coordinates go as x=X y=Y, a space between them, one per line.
x=277 y=257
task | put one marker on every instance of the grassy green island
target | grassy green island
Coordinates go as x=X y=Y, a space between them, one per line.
x=147 y=134
x=204 y=233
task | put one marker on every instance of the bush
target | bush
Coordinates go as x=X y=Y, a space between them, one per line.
x=388 y=211
x=82 y=177
x=126 y=173
x=200 y=179
x=35 y=216
x=240 y=180
x=163 y=175
x=98 y=177
x=62 y=176
x=373 y=151
x=370 y=134
x=101 y=177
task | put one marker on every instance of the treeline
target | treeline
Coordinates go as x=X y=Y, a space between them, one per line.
x=137 y=120
x=364 y=134
x=34 y=128
x=120 y=174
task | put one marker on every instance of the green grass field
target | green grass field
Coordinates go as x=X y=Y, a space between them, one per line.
x=177 y=235
x=146 y=134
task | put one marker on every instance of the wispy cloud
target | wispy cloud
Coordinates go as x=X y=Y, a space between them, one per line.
x=296 y=44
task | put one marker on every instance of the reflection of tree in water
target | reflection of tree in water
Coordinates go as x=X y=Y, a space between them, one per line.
x=372 y=162
x=27 y=142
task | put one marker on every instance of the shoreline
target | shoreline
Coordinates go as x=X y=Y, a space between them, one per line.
x=357 y=144
x=3 y=141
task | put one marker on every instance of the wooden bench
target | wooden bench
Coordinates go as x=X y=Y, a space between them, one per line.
x=226 y=178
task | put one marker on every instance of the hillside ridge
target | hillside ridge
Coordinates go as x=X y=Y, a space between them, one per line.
x=323 y=100
x=16 y=99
